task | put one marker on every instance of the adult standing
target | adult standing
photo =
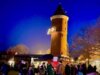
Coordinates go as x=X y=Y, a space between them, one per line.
x=60 y=69
x=31 y=70
x=50 y=69
x=5 y=69
x=67 y=70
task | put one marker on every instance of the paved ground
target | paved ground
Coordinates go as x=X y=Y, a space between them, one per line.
x=12 y=72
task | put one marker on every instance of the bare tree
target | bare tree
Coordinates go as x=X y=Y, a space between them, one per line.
x=19 y=49
x=87 y=42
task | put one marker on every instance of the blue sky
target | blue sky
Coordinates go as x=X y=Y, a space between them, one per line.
x=27 y=21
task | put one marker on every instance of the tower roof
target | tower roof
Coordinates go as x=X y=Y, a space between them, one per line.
x=59 y=10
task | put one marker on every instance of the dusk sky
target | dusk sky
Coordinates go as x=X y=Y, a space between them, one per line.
x=27 y=21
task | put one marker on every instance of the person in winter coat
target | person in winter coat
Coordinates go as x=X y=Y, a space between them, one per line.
x=67 y=70
x=50 y=69
x=60 y=69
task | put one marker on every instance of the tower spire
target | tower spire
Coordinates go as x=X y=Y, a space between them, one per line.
x=59 y=10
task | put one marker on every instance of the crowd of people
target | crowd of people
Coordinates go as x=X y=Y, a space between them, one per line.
x=49 y=69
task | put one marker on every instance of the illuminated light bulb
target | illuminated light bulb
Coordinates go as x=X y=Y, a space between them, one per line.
x=51 y=30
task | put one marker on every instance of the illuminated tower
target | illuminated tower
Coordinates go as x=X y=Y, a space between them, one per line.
x=59 y=45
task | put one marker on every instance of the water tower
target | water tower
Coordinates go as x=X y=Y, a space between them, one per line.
x=59 y=45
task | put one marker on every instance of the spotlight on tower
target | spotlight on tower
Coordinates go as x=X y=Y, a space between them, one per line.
x=51 y=30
